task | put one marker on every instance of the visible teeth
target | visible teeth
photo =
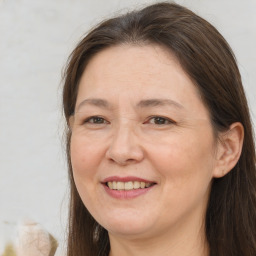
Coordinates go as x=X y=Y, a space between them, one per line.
x=142 y=184
x=110 y=185
x=136 y=184
x=118 y=185
x=128 y=185
x=147 y=185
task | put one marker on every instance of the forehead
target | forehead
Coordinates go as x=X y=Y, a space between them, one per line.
x=148 y=65
x=137 y=73
x=128 y=59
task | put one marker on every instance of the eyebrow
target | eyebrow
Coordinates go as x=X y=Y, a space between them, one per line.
x=142 y=104
x=95 y=102
x=159 y=102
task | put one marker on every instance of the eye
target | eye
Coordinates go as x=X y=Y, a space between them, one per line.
x=95 y=120
x=159 y=120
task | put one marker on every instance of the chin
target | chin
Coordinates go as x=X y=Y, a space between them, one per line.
x=128 y=231
x=130 y=225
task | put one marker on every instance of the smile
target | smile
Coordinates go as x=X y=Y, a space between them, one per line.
x=127 y=187
x=130 y=185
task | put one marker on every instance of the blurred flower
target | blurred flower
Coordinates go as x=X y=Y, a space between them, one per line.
x=34 y=240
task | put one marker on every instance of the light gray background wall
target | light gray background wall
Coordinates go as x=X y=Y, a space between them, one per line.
x=35 y=40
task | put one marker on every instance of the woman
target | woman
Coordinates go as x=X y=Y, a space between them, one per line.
x=159 y=140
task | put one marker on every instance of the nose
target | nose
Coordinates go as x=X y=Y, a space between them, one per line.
x=125 y=147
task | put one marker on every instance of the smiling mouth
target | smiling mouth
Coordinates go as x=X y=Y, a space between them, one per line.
x=130 y=185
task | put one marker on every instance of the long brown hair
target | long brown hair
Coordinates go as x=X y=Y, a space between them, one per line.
x=206 y=57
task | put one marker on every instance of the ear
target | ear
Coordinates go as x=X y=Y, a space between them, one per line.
x=229 y=149
x=71 y=122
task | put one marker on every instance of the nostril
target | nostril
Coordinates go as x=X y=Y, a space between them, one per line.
x=124 y=150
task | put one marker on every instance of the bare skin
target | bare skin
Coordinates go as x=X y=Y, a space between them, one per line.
x=139 y=115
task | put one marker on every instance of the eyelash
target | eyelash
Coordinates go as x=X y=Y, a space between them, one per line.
x=160 y=119
x=95 y=118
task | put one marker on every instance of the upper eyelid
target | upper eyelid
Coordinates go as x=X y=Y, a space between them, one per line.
x=91 y=117
x=147 y=119
x=167 y=118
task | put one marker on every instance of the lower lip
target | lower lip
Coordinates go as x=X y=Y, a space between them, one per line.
x=126 y=194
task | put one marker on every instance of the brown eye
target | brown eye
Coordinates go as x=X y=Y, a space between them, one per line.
x=95 y=120
x=160 y=120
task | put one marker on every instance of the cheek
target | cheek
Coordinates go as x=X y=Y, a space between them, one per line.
x=85 y=159
x=85 y=155
x=186 y=176
x=185 y=162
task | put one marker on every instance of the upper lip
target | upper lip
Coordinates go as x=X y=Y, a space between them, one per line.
x=126 y=179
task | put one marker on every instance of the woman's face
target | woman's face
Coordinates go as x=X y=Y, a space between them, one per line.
x=142 y=145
